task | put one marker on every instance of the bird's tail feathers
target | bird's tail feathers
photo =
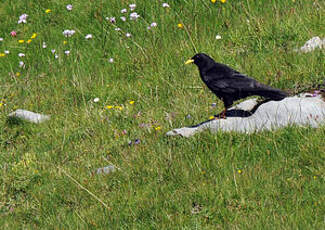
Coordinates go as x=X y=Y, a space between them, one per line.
x=273 y=94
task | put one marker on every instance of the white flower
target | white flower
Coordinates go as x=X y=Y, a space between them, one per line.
x=56 y=56
x=123 y=18
x=154 y=24
x=1 y=39
x=67 y=52
x=96 y=99
x=123 y=11
x=111 y=60
x=89 y=36
x=218 y=37
x=21 y=55
x=69 y=7
x=165 y=5
x=7 y=52
x=53 y=51
x=117 y=29
x=128 y=35
x=21 y=64
x=148 y=27
x=68 y=33
x=23 y=18
x=44 y=45
x=132 y=6
x=134 y=16
x=111 y=19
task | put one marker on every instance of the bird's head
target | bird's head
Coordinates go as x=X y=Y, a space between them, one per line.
x=201 y=60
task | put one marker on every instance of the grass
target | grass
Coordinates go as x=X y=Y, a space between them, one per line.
x=272 y=180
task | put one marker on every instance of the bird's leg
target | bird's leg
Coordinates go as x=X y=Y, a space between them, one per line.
x=223 y=114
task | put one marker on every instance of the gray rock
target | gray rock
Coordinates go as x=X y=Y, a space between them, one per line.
x=29 y=116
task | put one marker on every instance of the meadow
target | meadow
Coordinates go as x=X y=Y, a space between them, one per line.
x=114 y=86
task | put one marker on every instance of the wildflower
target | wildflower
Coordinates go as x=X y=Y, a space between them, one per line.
x=218 y=37
x=134 y=16
x=109 y=107
x=131 y=102
x=1 y=39
x=17 y=74
x=315 y=177
x=68 y=33
x=13 y=33
x=2 y=54
x=117 y=29
x=123 y=18
x=33 y=36
x=69 y=7
x=21 y=64
x=44 y=45
x=21 y=41
x=53 y=51
x=118 y=107
x=56 y=56
x=213 y=104
x=137 y=141
x=123 y=11
x=154 y=24
x=211 y=117
x=65 y=42
x=29 y=41
x=157 y=128
x=213 y=1
x=111 y=60
x=111 y=19
x=7 y=51
x=222 y=1
x=47 y=11
x=67 y=52
x=89 y=36
x=23 y=18
x=239 y=171
x=165 y=5
x=188 y=116
x=1 y=104
x=180 y=25
x=132 y=6
x=128 y=35
x=21 y=55
x=96 y=99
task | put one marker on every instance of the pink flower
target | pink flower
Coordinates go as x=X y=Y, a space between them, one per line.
x=13 y=33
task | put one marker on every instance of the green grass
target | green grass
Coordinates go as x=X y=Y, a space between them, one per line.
x=47 y=170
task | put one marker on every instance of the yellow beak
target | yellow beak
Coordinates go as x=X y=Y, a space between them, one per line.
x=189 y=61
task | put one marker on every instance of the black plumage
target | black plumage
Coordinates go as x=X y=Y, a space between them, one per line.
x=229 y=85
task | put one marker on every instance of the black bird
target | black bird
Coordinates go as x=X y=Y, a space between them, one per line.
x=229 y=85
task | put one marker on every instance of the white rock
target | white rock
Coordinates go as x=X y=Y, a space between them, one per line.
x=303 y=110
x=29 y=116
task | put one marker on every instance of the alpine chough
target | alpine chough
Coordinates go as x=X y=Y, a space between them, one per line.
x=228 y=84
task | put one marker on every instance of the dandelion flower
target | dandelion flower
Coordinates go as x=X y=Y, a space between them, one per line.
x=2 y=54
x=132 y=6
x=65 y=42
x=17 y=74
x=7 y=52
x=48 y=11
x=239 y=171
x=21 y=55
x=118 y=107
x=69 y=7
x=180 y=25
x=131 y=102
x=213 y=1
x=165 y=5
x=111 y=60
x=33 y=36
x=109 y=107
x=123 y=18
x=21 y=41
x=223 y=1
x=67 y=52
x=96 y=99
x=13 y=33
x=124 y=11
x=218 y=37
x=211 y=117
x=128 y=35
x=29 y=41
x=157 y=128
x=89 y=36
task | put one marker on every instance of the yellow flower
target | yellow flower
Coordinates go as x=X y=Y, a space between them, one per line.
x=2 y=54
x=222 y=1
x=119 y=107
x=239 y=171
x=48 y=11
x=1 y=104
x=315 y=177
x=180 y=25
x=211 y=117
x=109 y=107
x=65 y=42
x=17 y=74
x=33 y=36
x=29 y=41
x=213 y=1
x=157 y=128
x=131 y=102
x=21 y=41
